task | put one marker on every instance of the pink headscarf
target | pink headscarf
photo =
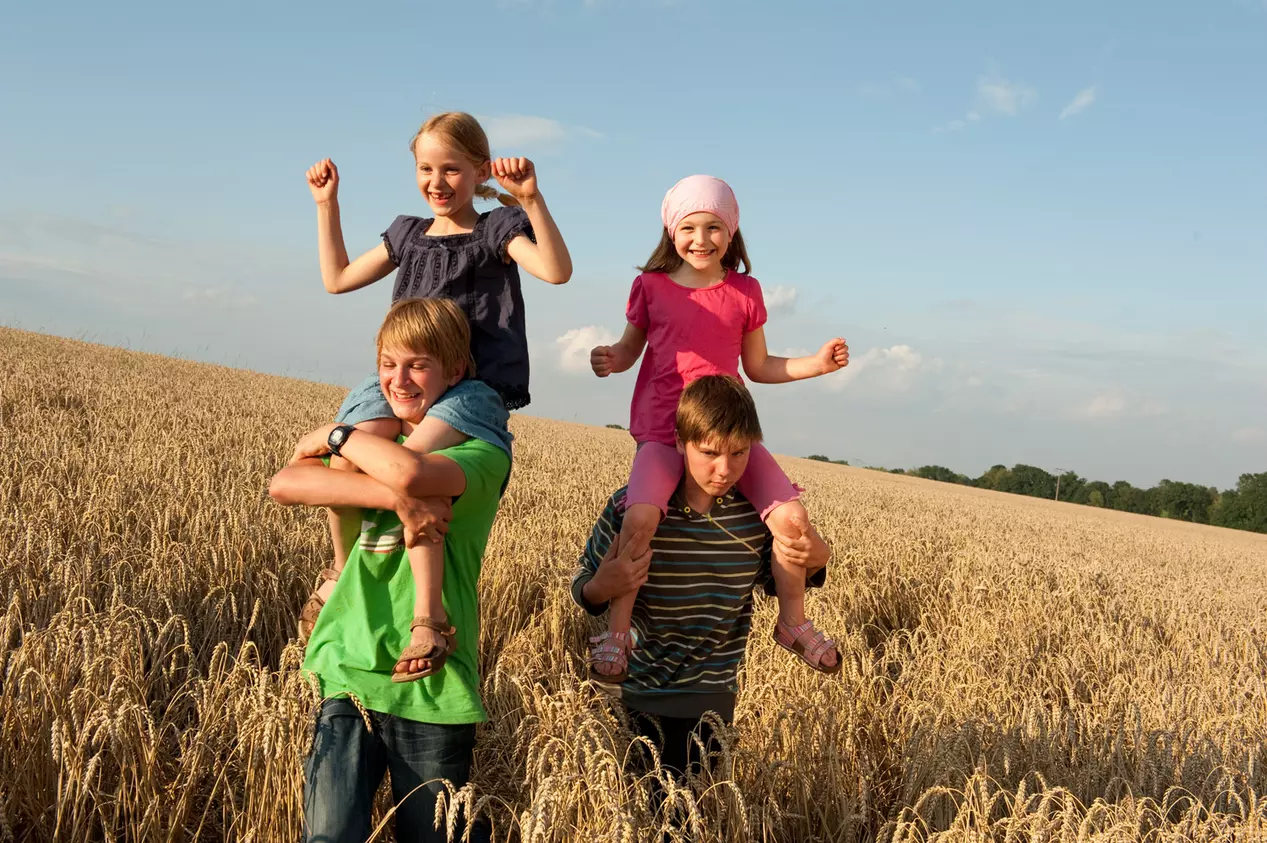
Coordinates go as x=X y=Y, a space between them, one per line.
x=700 y=193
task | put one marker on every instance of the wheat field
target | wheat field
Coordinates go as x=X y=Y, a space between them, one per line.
x=1014 y=669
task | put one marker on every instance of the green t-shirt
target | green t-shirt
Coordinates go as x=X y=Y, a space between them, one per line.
x=365 y=624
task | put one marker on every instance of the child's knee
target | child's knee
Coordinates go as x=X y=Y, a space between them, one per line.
x=640 y=517
x=784 y=517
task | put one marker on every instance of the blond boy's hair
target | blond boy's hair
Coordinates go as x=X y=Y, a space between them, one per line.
x=436 y=327
x=717 y=407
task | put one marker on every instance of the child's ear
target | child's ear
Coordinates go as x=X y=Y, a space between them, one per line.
x=484 y=172
x=677 y=441
x=455 y=377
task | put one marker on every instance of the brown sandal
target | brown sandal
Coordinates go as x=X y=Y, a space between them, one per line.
x=314 y=604
x=611 y=648
x=811 y=652
x=435 y=657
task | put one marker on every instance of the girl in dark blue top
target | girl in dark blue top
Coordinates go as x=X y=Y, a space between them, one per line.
x=474 y=259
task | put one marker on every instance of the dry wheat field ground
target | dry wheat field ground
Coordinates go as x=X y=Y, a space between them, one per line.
x=1014 y=669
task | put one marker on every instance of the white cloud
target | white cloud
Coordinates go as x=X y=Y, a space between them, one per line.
x=892 y=369
x=793 y=352
x=780 y=299
x=1080 y=103
x=997 y=94
x=574 y=346
x=524 y=130
x=1113 y=404
x=1106 y=406
x=1250 y=434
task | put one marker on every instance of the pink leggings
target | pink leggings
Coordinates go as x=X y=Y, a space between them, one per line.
x=657 y=470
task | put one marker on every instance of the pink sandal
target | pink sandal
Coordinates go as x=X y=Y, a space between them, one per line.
x=812 y=651
x=611 y=648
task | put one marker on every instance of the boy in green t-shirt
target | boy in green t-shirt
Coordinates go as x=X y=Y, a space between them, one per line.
x=423 y=730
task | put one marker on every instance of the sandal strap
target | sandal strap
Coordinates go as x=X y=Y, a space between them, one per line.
x=815 y=648
x=433 y=624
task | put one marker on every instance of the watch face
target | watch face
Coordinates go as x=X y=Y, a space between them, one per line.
x=338 y=436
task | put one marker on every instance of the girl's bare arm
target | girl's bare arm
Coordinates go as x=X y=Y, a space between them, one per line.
x=608 y=359
x=548 y=258
x=338 y=275
x=762 y=367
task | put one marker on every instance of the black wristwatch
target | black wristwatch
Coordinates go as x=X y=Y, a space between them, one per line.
x=338 y=436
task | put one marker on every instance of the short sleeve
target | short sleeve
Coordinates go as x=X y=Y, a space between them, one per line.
x=485 y=467
x=397 y=234
x=504 y=225
x=636 y=309
x=757 y=315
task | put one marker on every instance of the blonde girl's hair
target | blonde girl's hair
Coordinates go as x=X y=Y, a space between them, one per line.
x=462 y=132
x=436 y=327
x=717 y=407
x=666 y=259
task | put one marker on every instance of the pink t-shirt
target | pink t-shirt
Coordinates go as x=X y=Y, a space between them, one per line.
x=690 y=333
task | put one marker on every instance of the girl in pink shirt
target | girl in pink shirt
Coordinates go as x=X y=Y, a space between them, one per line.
x=697 y=312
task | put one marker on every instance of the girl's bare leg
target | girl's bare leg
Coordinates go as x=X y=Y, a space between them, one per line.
x=426 y=559
x=789 y=578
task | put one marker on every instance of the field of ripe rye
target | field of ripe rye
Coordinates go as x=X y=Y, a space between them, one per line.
x=1014 y=669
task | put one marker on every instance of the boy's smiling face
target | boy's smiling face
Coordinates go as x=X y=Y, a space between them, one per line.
x=412 y=381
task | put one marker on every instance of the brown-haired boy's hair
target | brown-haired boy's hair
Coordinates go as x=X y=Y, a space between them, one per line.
x=717 y=407
x=436 y=327
x=666 y=259
x=463 y=134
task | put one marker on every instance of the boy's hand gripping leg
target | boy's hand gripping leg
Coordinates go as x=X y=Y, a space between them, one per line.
x=609 y=658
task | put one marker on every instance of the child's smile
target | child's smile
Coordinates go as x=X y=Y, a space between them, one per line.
x=701 y=240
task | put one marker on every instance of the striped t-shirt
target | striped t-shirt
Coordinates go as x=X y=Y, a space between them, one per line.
x=692 y=616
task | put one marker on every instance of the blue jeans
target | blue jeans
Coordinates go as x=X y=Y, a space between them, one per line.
x=346 y=766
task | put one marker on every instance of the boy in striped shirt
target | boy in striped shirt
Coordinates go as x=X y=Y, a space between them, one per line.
x=693 y=610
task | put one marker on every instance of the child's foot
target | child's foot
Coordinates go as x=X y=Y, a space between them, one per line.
x=315 y=602
x=431 y=642
x=815 y=649
x=609 y=658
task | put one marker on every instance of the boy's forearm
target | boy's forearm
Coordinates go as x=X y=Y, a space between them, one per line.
x=585 y=595
x=556 y=259
x=313 y=484
x=331 y=249
x=405 y=472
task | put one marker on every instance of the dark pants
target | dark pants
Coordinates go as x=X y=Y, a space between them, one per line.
x=679 y=753
x=677 y=748
x=346 y=766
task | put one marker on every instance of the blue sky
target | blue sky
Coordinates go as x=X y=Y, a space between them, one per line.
x=1043 y=230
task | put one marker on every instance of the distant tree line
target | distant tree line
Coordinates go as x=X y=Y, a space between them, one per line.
x=1242 y=508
